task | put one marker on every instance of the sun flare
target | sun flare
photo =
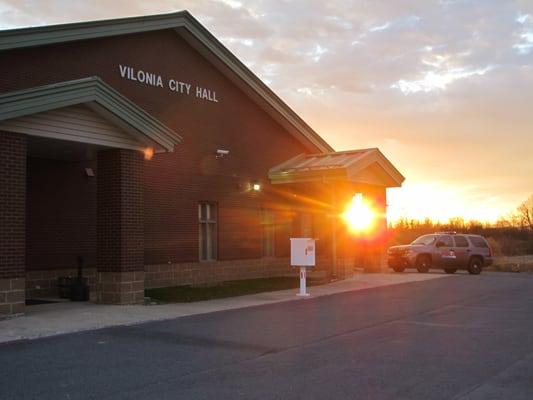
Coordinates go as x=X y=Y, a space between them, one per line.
x=359 y=215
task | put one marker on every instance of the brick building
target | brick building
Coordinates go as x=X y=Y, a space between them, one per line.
x=143 y=147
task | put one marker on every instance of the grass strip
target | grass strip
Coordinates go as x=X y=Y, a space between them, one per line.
x=188 y=294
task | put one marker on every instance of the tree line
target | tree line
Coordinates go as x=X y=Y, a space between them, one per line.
x=509 y=235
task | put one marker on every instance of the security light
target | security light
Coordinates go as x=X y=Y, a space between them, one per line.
x=256 y=187
x=222 y=152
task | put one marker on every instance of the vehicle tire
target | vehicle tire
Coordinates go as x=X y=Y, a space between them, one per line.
x=450 y=270
x=398 y=269
x=475 y=266
x=423 y=264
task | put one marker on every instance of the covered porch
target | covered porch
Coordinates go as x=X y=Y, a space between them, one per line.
x=71 y=167
x=324 y=185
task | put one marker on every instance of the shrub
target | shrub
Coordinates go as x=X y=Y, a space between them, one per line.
x=495 y=246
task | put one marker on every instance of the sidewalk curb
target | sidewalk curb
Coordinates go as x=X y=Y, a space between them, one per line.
x=246 y=301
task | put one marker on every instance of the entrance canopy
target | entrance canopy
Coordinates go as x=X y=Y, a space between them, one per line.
x=367 y=166
x=87 y=111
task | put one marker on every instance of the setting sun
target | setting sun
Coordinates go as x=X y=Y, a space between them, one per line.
x=359 y=215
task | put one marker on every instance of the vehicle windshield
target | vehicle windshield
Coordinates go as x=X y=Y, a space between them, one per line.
x=425 y=240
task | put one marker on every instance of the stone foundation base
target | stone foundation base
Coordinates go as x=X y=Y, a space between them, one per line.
x=12 y=297
x=120 y=287
x=213 y=273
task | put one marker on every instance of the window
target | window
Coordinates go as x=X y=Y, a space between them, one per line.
x=446 y=240
x=425 y=240
x=460 y=241
x=306 y=225
x=478 y=241
x=207 y=218
x=268 y=231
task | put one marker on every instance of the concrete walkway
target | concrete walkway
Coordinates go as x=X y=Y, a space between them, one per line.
x=58 y=318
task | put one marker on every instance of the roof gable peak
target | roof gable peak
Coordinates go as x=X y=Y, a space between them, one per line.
x=197 y=36
x=98 y=96
x=358 y=166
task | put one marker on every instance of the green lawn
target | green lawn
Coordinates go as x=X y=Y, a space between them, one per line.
x=188 y=294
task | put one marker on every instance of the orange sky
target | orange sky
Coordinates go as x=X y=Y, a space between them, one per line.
x=443 y=88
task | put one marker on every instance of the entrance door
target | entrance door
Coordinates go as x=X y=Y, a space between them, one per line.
x=462 y=252
x=445 y=254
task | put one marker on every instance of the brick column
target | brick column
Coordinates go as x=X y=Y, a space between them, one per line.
x=12 y=223
x=120 y=227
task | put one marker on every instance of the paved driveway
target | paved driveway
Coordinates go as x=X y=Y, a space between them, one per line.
x=464 y=337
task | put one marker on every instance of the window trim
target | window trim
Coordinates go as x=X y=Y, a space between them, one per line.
x=211 y=243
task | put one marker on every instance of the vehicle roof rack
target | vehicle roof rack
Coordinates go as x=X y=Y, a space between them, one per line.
x=446 y=233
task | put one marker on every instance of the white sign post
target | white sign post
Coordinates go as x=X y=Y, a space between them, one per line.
x=303 y=281
x=303 y=256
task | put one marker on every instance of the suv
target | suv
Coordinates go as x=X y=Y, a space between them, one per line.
x=447 y=250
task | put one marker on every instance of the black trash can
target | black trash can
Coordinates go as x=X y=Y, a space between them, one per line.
x=63 y=286
x=79 y=290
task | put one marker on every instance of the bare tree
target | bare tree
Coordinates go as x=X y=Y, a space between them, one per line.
x=525 y=213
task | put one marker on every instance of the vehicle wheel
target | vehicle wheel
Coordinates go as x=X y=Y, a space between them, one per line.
x=423 y=264
x=398 y=269
x=450 y=270
x=475 y=266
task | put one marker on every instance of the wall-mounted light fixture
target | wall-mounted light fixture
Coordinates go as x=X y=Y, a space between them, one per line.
x=256 y=186
x=148 y=153
x=221 y=153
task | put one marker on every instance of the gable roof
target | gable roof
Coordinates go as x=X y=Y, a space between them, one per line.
x=367 y=166
x=197 y=36
x=97 y=95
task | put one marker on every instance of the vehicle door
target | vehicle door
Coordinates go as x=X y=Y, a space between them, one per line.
x=462 y=250
x=444 y=255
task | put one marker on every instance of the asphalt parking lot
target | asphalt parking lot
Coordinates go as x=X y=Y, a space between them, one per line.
x=463 y=337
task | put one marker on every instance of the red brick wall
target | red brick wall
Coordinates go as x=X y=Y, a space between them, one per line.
x=120 y=211
x=61 y=218
x=12 y=205
x=176 y=182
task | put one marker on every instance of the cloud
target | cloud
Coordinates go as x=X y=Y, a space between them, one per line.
x=451 y=82
x=525 y=44
x=378 y=28
x=437 y=80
